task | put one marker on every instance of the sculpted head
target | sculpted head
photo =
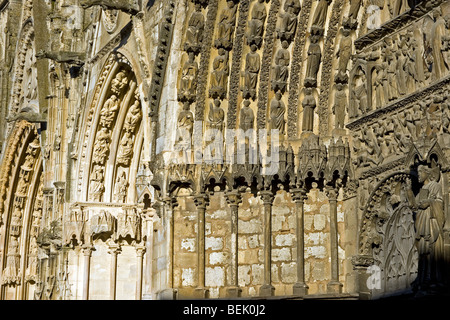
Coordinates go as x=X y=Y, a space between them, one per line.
x=423 y=172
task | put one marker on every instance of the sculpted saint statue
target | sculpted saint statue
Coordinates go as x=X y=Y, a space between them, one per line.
x=289 y=20
x=313 y=62
x=320 y=14
x=101 y=146
x=281 y=69
x=252 y=67
x=108 y=112
x=429 y=223
x=121 y=187
x=185 y=125
x=125 y=148
x=188 y=82
x=247 y=117
x=309 y=105
x=340 y=103
x=96 y=186
x=194 y=33
x=437 y=33
x=227 y=22
x=216 y=117
x=344 y=53
x=256 y=24
x=133 y=117
x=219 y=79
x=277 y=112
x=354 y=9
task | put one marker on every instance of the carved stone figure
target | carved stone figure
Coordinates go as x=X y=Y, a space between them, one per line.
x=401 y=74
x=129 y=6
x=437 y=32
x=289 y=18
x=69 y=57
x=247 y=117
x=429 y=223
x=320 y=14
x=102 y=224
x=344 y=53
x=126 y=147
x=313 y=62
x=378 y=77
x=219 y=78
x=119 y=82
x=188 y=81
x=309 y=105
x=128 y=223
x=11 y=273
x=412 y=121
x=194 y=33
x=392 y=86
x=396 y=7
x=226 y=25
x=108 y=112
x=121 y=187
x=277 y=112
x=134 y=115
x=101 y=146
x=281 y=69
x=339 y=107
x=216 y=116
x=256 y=24
x=252 y=67
x=97 y=186
x=185 y=126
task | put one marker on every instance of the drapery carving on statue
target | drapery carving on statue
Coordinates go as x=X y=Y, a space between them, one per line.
x=226 y=25
x=108 y=111
x=250 y=74
x=288 y=25
x=280 y=74
x=128 y=224
x=31 y=273
x=320 y=14
x=126 y=146
x=121 y=187
x=183 y=139
x=256 y=23
x=11 y=274
x=30 y=86
x=96 y=185
x=340 y=106
x=429 y=223
x=313 y=62
x=219 y=75
x=194 y=33
x=358 y=97
x=74 y=226
x=101 y=146
x=188 y=80
x=277 y=113
x=119 y=83
x=102 y=224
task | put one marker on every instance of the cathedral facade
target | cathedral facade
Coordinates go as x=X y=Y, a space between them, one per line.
x=177 y=149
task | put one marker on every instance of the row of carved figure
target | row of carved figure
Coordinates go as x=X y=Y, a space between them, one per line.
x=392 y=136
x=402 y=64
x=127 y=225
x=11 y=275
x=102 y=142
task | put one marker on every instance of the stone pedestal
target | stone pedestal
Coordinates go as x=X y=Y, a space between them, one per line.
x=300 y=289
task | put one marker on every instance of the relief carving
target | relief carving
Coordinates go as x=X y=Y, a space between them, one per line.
x=219 y=78
x=188 y=81
x=252 y=67
x=280 y=75
x=256 y=24
x=313 y=61
x=289 y=18
x=226 y=25
x=194 y=33
x=277 y=112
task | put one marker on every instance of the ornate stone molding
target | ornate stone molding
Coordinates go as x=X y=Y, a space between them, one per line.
x=236 y=64
x=264 y=78
x=296 y=66
x=205 y=57
x=327 y=66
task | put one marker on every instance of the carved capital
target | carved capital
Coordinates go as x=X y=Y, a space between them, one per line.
x=140 y=250
x=201 y=200
x=332 y=193
x=170 y=202
x=87 y=250
x=267 y=197
x=362 y=261
x=114 y=248
x=234 y=198
x=299 y=194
